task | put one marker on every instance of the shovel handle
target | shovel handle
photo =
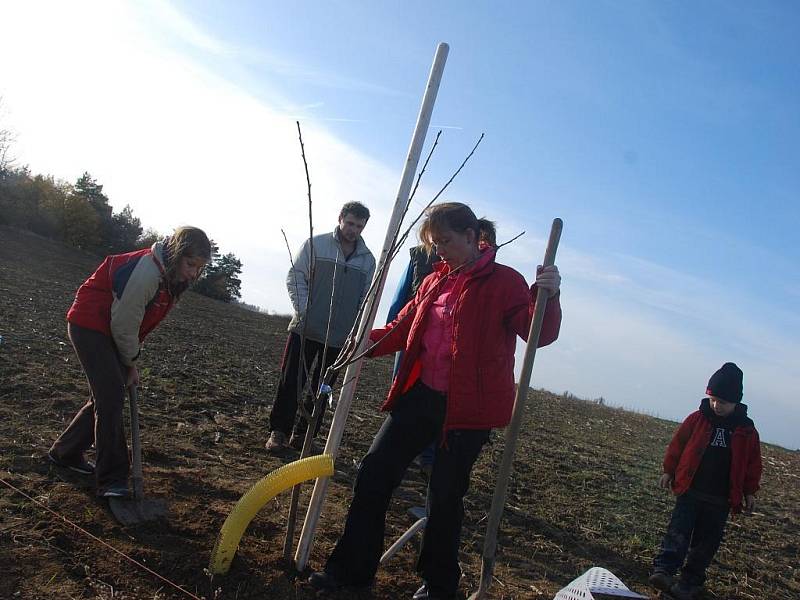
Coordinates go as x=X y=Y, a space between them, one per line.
x=138 y=491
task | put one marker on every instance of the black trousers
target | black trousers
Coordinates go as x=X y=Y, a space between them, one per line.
x=414 y=424
x=695 y=532
x=284 y=408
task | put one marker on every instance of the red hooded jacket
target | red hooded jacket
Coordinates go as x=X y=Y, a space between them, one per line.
x=494 y=306
x=690 y=441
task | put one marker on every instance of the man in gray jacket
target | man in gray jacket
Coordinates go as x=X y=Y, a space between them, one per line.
x=324 y=317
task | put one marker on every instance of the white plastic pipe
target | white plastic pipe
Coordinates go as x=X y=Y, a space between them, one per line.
x=401 y=541
x=368 y=317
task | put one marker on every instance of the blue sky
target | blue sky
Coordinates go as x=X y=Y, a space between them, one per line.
x=664 y=134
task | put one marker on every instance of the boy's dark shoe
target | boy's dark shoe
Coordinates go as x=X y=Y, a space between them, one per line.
x=322 y=580
x=82 y=466
x=683 y=591
x=661 y=580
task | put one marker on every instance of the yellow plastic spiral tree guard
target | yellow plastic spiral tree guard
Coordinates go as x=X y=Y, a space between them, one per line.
x=262 y=492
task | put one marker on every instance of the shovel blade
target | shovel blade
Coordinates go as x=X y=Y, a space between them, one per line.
x=133 y=512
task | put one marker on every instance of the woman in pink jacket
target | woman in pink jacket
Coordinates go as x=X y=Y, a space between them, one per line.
x=455 y=383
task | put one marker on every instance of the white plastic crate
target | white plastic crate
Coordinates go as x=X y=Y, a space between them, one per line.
x=596 y=580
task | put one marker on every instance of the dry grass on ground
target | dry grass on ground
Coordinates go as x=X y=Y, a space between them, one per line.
x=583 y=491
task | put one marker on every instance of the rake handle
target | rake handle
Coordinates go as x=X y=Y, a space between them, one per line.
x=512 y=431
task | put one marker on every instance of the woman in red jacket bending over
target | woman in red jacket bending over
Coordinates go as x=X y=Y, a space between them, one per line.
x=124 y=300
x=455 y=383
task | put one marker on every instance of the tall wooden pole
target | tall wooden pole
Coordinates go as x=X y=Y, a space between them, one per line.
x=368 y=317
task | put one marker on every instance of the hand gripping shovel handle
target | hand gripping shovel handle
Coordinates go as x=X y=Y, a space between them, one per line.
x=137 y=509
x=512 y=431
x=138 y=488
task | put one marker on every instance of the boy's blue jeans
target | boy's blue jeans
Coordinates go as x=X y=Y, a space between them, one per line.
x=694 y=533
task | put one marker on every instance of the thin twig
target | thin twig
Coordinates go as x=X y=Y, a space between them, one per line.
x=422 y=171
x=311 y=271
x=514 y=239
x=396 y=245
x=348 y=353
x=297 y=293
x=403 y=238
x=351 y=344
x=318 y=408
x=308 y=183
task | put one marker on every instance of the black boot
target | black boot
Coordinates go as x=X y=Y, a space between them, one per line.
x=322 y=580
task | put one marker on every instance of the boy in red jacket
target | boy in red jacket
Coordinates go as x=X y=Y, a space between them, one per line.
x=712 y=463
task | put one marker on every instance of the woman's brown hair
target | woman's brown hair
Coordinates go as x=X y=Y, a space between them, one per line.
x=189 y=242
x=457 y=217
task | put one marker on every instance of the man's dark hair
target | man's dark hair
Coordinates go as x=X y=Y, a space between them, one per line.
x=358 y=210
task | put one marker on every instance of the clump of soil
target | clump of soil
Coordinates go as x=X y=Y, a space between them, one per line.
x=583 y=492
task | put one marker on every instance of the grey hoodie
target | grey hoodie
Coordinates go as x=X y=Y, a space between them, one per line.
x=353 y=278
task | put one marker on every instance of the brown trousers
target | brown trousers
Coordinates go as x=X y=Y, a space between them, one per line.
x=100 y=420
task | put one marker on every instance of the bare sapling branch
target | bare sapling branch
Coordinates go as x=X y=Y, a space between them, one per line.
x=346 y=358
x=395 y=244
x=347 y=353
x=399 y=243
x=349 y=345
x=318 y=399
x=514 y=239
x=315 y=393
x=303 y=373
x=297 y=295
x=422 y=171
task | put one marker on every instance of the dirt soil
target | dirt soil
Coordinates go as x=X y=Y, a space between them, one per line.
x=583 y=492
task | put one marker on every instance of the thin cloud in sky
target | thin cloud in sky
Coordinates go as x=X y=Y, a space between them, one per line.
x=329 y=119
x=305 y=112
x=310 y=106
x=176 y=25
x=162 y=16
x=327 y=78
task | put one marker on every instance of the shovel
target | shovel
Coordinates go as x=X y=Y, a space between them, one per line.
x=138 y=509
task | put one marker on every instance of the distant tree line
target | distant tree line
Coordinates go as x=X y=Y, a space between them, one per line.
x=220 y=279
x=79 y=215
